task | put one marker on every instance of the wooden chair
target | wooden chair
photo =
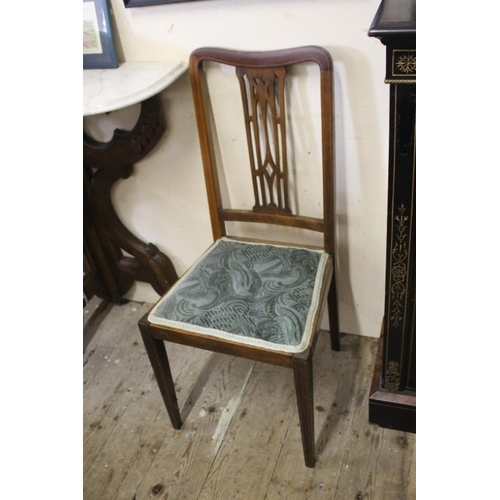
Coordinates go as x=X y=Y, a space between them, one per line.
x=256 y=300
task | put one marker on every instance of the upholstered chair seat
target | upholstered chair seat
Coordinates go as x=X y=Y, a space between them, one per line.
x=253 y=294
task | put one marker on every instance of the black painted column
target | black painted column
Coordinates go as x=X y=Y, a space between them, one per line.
x=393 y=394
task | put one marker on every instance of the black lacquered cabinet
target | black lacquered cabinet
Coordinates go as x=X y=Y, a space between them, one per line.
x=392 y=401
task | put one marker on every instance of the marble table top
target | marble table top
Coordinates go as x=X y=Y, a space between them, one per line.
x=107 y=90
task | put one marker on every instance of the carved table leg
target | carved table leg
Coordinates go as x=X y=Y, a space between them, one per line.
x=104 y=164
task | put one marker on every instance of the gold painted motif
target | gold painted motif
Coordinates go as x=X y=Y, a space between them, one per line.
x=407 y=64
x=406 y=81
x=404 y=63
x=392 y=377
x=399 y=267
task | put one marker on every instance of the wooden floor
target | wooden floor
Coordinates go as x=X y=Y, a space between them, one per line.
x=241 y=436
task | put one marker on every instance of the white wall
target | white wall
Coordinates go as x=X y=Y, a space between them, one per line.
x=164 y=202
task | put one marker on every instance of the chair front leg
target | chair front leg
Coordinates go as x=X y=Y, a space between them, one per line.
x=161 y=368
x=303 y=375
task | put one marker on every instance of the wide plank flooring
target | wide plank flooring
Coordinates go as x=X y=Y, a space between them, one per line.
x=241 y=436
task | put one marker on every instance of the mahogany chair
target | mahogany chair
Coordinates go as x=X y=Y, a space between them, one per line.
x=256 y=300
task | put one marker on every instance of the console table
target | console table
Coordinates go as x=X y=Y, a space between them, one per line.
x=392 y=401
x=108 y=272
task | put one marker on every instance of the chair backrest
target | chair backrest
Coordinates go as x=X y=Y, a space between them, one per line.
x=262 y=77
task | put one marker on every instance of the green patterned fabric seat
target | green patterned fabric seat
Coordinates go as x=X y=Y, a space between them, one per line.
x=253 y=294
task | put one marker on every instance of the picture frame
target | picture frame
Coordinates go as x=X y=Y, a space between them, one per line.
x=99 y=50
x=144 y=3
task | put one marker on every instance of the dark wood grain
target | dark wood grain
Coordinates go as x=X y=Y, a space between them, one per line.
x=303 y=376
x=258 y=66
x=159 y=361
x=105 y=235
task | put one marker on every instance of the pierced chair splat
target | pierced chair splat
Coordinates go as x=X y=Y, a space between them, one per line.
x=256 y=300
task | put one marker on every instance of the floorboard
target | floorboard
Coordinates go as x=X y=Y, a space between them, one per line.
x=241 y=436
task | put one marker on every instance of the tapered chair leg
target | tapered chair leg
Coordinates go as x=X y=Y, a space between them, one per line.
x=333 y=315
x=303 y=375
x=161 y=368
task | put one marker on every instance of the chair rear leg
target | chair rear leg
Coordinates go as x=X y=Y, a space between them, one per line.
x=303 y=375
x=333 y=315
x=161 y=368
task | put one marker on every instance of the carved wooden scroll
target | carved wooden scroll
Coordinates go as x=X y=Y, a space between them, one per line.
x=104 y=165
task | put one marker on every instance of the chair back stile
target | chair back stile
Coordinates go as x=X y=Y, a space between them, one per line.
x=261 y=77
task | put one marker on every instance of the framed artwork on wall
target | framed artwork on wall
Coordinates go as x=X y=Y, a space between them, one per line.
x=99 y=49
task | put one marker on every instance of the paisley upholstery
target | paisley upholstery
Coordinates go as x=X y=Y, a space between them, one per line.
x=254 y=294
